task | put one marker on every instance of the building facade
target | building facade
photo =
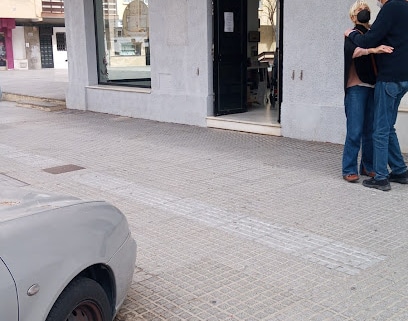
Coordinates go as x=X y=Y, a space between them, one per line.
x=32 y=34
x=191 y=62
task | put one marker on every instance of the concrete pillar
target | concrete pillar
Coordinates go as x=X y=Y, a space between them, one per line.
x=33 y=50
x=81 y=46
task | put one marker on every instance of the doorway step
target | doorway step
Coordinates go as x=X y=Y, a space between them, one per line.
x=45 y=104
x=230 y=123
x=258 y=119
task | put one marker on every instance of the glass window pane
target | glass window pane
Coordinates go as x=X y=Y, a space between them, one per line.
x=123 y=42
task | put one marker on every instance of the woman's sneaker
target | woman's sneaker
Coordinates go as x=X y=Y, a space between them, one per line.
x=399 y=178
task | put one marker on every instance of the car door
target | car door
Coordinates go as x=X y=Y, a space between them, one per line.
x=8 y=295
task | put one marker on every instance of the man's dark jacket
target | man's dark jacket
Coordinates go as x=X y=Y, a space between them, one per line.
x=390 y=28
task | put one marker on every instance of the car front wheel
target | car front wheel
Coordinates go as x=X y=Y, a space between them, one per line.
x=82 y=300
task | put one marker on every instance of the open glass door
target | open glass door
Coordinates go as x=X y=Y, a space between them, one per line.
x=230 y=56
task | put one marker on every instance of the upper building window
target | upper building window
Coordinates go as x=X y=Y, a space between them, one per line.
x=52 y=7
x=123 y=42
x=109 y=7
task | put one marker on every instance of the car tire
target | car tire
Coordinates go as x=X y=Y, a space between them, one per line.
x=82 y=299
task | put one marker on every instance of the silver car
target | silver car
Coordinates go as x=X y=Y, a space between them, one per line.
x=62 y=258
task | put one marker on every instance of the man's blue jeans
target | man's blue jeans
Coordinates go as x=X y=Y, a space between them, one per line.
x=387 y=97
x=359 y=107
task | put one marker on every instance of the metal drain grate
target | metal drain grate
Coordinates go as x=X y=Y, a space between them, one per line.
x=63 y=169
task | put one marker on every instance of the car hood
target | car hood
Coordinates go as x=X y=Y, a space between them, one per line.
x=17 y=202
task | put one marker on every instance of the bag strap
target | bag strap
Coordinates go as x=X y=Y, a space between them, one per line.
x=371 y=56
x=374 y=65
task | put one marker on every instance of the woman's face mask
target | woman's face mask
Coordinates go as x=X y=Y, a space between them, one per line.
x=364 y=16
x=379 y=3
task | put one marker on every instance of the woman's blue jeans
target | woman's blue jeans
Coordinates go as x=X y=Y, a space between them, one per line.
x=387 y=97
x=359 y=107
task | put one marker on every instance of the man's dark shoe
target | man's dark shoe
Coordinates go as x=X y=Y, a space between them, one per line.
x=399 y=178
x=382 y=185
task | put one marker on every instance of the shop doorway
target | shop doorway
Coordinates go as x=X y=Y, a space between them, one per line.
x=248 y=72
x=47 y=56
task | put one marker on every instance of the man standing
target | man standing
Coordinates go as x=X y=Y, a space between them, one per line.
x=390 y=28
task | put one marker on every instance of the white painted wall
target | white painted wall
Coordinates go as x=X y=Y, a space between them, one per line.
x=19 y=50
x=181 y=68
x=313 y=107
x=181 y=64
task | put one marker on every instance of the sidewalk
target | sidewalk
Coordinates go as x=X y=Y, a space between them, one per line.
x=230 y=226
x=43 y=83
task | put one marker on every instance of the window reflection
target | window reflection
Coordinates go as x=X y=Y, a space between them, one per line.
x=123 y=42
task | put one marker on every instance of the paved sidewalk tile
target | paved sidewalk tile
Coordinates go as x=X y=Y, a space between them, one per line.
x=230 y=226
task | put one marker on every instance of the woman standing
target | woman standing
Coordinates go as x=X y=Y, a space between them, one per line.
x=359 y=81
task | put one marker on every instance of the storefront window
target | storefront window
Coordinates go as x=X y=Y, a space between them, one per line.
x=123 y=42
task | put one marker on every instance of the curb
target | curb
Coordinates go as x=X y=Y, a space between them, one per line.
x=45 y=104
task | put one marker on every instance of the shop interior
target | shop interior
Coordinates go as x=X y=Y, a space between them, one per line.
x=263 y=94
